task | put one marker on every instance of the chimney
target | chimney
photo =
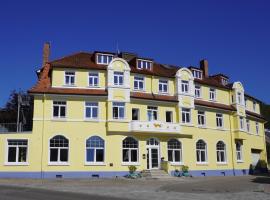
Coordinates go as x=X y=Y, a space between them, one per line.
x=46 y=53
x=204 y=67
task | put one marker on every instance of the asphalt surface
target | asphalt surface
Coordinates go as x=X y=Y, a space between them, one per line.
x=19 y=193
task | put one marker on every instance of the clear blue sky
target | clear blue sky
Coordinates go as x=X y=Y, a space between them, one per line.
x=233 y=35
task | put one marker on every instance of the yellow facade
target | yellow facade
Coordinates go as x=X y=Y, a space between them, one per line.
x=76 y=128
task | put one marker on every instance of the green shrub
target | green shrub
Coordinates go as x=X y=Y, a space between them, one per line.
x=185 y=168
x=132 y=168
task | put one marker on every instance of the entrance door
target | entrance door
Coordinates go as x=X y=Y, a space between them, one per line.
x=153 y=157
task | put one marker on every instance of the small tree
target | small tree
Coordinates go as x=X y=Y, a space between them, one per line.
x=132 y=169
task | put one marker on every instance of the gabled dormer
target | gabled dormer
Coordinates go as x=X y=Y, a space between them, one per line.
x=144 y=64
x=197 y=73
x=103 y=58
x=221 y=78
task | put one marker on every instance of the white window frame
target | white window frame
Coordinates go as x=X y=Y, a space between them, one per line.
x=138 y=114
x=118 y=76
x=58 y=162
x=219 y=152
x=241 y=123
x=254 y=106
x=141 y=80
x=129 y=162
x=186 y=114
x=239 y=98
x=91 y=107
x=59 y=104
x=185 y=86
x=212 y=94
x=119 y=106
x=109 y=58
x=198 y=91
x=163 y=84
x=239 y=152
x=17 y=146
x=71 y=75
x=219 y=120
x=94 y=148
x=197 y=74
x=173 y=152
x=150 y=113
x=94 y=76
x=200 y=155
x=201 y=118
x=257 y=127
x=171 y=115
x=144 y=64
x=248 y=125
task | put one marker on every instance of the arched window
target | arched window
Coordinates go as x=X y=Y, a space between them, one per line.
x=95 y=149
x=239 y=154
x=174 y=151
x=152 y=142
x=201 y=151
x=130 y=150
x=221 y=152
x=59 y=149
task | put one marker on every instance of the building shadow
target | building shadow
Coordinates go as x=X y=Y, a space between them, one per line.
x=262 y=179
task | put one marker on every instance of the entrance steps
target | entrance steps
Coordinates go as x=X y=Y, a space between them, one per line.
x=156 y=174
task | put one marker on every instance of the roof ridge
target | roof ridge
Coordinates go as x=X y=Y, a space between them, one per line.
x=73 y=54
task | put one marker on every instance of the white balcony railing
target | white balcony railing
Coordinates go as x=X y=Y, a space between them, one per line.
x=154 y=126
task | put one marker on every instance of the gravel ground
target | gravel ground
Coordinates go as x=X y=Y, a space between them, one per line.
x=208 y=188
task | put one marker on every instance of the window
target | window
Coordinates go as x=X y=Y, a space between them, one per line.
x=212 y=94
x=186 y=115
x=224 y=81
x=95 y=150
x=104 y=59
x=135 y=114
x=59 y=149
x=185 y=86
x=59 y=109
x=138 y=83
x=91 y=110
x=254 y=106
x=118 y=78
x=248 y=125
x=17 y=151
x=239 y=98
x=221 y=152
x=201 y=118
x=169 y=117
x=219 y=120
x=163 y=86
x=93 y=79
x=118 y=110
x=201 y=152
x=241 y=123
x=174 y=151
x=239 y=155
x=144 y=64
x=69 y=78
x=257 y=128
x=130 y=150
x=197 y=74
x=197 y=91
x=152 y=113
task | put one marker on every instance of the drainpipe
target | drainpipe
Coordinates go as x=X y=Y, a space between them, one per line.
x=42 y=136
x=232 y=144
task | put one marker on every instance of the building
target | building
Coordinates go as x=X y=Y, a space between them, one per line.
x=97 y=113
x=267 y=139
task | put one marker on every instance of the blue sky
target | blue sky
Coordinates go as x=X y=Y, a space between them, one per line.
x=233 y=35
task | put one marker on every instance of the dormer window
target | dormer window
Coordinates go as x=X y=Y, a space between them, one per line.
x=104 y=59
x=70 y=78
x=224 y=81
x=239 y=98
x=144 y=64
x=197 y=74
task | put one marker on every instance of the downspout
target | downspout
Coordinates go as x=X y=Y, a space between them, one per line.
x=232 y=144
x=42 y=136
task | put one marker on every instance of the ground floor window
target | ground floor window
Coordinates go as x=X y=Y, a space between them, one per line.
x=174 y=151
x=17 y=151
x=201 y=151
x=95 y=149
x=221 y=152
x=59 y=146
x=130 y=150
x=239 y=154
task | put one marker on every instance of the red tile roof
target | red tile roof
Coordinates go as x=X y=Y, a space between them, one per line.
x=151 y=96
x=214 y=105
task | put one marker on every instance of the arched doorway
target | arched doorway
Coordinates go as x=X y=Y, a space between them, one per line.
x=153 y=156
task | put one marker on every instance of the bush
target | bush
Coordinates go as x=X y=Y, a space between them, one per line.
x=132 y=169
x=185 y=168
